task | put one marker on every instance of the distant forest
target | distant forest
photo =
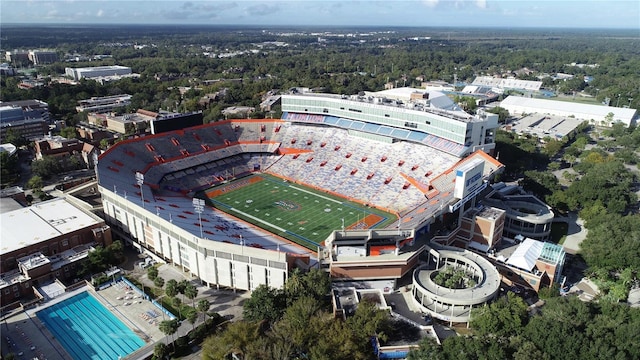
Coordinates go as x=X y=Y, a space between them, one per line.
x=168 y=57
x=240 y=65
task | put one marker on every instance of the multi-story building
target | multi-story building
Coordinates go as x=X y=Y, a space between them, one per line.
x=104 y=104
x=31 y=108
x=7 y=70
x=42 y=57
x=43 y=242
x=526 y=215
x=57 y=146
x=96 y=71
x=528 y=263
x=18 y=57
x=482 y=227
x=28 y=118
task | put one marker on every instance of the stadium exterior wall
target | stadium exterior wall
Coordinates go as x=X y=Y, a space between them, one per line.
x=214 y=263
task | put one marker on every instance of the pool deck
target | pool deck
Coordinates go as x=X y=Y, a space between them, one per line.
x=32 y=339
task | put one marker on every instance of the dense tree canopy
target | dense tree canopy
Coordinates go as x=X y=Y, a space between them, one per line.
x=565 y=328
x=608 y=182
x=303 y=329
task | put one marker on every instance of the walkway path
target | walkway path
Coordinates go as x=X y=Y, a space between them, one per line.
x=575 y=234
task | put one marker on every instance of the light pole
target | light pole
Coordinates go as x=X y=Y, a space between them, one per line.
x=630 y=99
x=140 y=181
x=198 y=206
x=618 y=103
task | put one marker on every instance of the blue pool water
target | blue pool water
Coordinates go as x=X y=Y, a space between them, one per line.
x=87 y=330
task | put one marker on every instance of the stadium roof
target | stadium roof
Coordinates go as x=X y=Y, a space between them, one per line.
x=580 y=111
x=41 y=222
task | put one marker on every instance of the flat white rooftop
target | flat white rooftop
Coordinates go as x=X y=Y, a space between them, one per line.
x=105 y=67
x=41 y=222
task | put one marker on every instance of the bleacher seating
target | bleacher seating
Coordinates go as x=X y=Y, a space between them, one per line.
x=181 y=162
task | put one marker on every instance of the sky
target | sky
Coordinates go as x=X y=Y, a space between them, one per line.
x=449 y=13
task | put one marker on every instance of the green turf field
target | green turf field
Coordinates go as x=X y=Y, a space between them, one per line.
x=295 y=212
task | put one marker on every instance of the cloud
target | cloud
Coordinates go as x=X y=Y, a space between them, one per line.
x=198 y=10
x=455 y=4
x=262 y=9
x=100 y=13
x=431 y=3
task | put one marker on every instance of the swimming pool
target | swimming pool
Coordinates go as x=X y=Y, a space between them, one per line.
x=87 y=330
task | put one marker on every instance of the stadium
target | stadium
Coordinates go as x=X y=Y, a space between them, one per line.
x=239 y=203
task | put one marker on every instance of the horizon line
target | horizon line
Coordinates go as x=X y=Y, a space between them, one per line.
x=505 y=27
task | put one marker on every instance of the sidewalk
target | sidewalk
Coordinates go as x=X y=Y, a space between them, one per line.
x=575 y=234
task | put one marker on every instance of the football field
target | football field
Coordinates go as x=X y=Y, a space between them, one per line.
x=295 y=212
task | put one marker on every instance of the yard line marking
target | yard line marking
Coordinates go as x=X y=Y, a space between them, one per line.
x=259 y=220
x=318 y=195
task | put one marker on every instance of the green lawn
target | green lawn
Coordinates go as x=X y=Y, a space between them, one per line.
x=295 y=212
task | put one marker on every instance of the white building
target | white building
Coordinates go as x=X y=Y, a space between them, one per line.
x=104 y=104
x=503 y=84
x=97 y=71
x=517 y=105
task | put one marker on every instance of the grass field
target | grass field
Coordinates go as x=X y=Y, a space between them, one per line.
x=295 y=212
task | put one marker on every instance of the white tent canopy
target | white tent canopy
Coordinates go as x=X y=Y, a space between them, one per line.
x=526 y=254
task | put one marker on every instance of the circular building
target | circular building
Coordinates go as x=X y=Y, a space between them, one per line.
x=454 y=282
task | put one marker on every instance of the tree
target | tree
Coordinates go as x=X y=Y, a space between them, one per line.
x=12 y=136
x=502 y=318
x=35 y=183
x=265 y=303
x=503 y=114
x=191 y=292
x=169 y=327
x=610 y=182
x=315 y=283
x=612 y=241
x=69 y=132
x=158 y=282
x=368 y=321
x=182 y=285
x=428 y=349
x=236 y=339
x=152 y=273
x=171 y=288
x=570 y=158
x=203 y=306
x=295 y=324
x=192 y=316
x=46 y=167
x=102 y=258
x=104 y=144
x=160 y=351
x=9 y=170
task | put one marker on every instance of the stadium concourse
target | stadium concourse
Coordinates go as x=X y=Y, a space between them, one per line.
x=149 y=185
